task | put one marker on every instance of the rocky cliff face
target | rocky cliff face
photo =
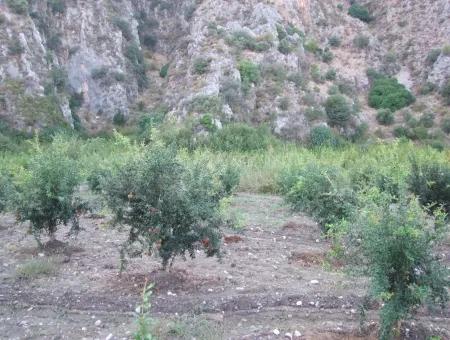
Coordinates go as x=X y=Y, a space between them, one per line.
x=95 y=62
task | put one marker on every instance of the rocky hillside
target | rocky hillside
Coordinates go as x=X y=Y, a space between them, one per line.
x=99 y=63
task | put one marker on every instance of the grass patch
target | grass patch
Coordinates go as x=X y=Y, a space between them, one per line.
x=187 y=327
x=35 y=268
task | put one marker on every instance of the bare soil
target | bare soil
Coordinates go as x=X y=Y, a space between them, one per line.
x=274 y=277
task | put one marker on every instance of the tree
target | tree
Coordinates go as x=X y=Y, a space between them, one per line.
x=360 y=12
x=47 y=193
x=338 y=110
x=397 y=242
x=167 y=206
x=324 y=192
x=388 y=93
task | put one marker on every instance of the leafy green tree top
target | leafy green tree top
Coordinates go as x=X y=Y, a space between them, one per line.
x=388 y=93
x=47 y=194
x=324 y=192
x=360 y=12
x=338 y=110
x=167 y=206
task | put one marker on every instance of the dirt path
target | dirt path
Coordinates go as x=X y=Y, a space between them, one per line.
x=273 y=277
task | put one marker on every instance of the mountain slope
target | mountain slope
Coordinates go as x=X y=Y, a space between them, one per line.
x=95 y=63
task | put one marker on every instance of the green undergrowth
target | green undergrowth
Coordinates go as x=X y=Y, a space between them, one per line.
x=260 y=169
x=388 y=196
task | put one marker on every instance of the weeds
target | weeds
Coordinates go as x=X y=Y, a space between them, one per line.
x=144 y=321
x=35 y=268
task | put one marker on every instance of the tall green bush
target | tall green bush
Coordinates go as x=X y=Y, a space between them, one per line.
x=147 y=122
x=167 y=205
x=338 y=110
x=321 y=136
x=397 y=242
x=119 y=119
x=250 y=74
x=323 y=192
x=164 y=71
x=206 y=105
x=47 y=194
x=388 y=93
x=243 y=40
x=360 y=12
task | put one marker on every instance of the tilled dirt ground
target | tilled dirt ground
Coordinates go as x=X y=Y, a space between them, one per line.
x=274 y=281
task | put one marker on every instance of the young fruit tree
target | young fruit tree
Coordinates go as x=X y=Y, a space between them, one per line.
x=397 y=242
x=47 y=193
x=168 y=206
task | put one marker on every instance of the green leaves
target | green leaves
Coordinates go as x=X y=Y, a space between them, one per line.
x=47 y=194
x=168 y=205
x=377 y=226
x=431 y=183
x=360 y=12
x=388 y=93
x=323 y=192
x=250 y=74
x=338 y=110
x=242 y=138
x=143 y=315
x=396 y=243
x=7 y=191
